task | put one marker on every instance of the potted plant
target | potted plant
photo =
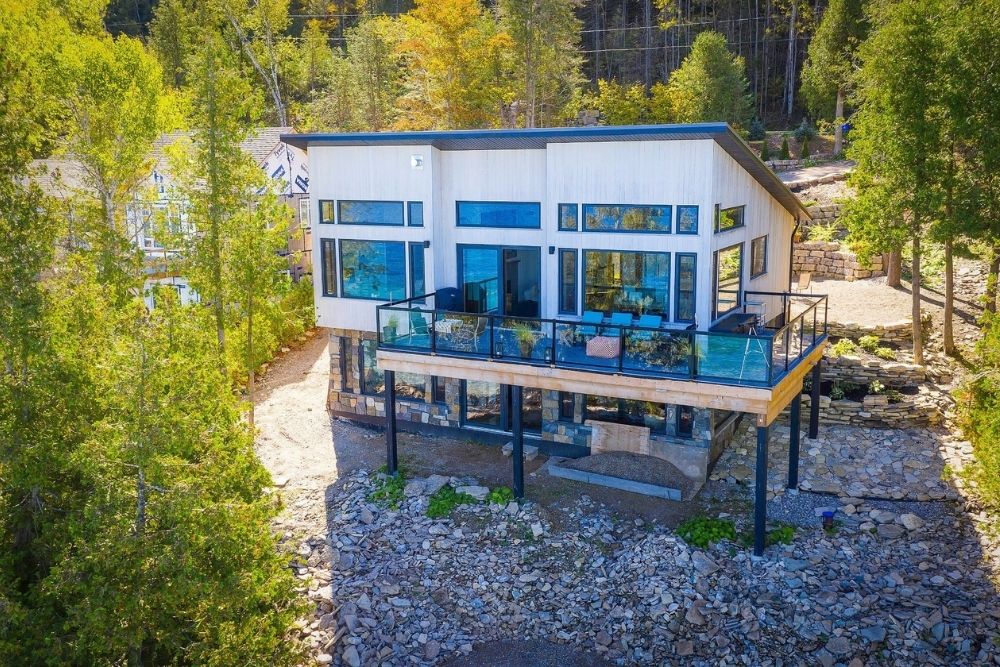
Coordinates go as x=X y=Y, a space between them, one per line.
x=390 y=329
x=526 y=338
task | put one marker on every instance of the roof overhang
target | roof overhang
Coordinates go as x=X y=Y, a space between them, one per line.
x=461 y=140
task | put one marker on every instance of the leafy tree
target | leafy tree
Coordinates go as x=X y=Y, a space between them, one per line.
x=115 y=105
x=899 y=143
x=618 y=104
x=710 y=85
x=832 y=61
x=546 y=41
x=375 y=71
x=980 y=401
x=458 y=66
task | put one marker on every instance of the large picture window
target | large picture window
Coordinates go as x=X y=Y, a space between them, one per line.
x=373 y=270
x=372 y=378
x=624 y=411
x=729 y=218
x=411 y=387
x=524 y=215
x=567 y=282
x=728 y=279
x=758 y=256
x=370 y=212
x=626 y=218
x=687 y=271
x=328 y=255
x=627 y=281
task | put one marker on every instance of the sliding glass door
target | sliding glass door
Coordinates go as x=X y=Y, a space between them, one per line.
x=500 y=280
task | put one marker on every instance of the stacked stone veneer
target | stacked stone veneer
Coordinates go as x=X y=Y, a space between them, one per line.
x=829 y=259
x=693 y=455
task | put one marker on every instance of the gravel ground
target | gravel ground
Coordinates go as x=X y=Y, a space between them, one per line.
x=636 y=467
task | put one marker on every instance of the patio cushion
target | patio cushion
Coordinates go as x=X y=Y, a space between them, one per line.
x=590 y=317
x=621 y=319
x=650 y=321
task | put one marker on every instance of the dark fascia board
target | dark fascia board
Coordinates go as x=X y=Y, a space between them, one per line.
x=539 y=138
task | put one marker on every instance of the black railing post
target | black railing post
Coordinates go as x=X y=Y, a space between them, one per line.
x=434 y=332
x=378 y=325
x=391 y=460
x=815 y=323
x=553 y=359
x=788 y=342
x=770 y=361
x=492 y=350
x=621 y=348
x=693 y=355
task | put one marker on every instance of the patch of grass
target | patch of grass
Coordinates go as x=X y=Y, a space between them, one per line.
x=445 y=500
x=502 y=495
x=389 y=488
x=703 y=531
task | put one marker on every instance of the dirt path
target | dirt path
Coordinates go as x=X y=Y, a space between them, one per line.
x=295 y=440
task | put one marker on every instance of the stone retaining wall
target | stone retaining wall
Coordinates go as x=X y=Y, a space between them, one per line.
x=896 y=333
x=894 y=374
x=875 y=411
x=828 y=259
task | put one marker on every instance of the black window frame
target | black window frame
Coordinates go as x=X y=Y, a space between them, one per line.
x=410 y=207
x=575 y=208
x=439 y=384
x=363 y=389
x=414 y=249
x=563 y=309
x=677 y=287
x=340 y=212
x=753 y=249
x=333 y=208
x=564 y=398
x=677 y=220
x=669 y=282
x=688 y=433
x=715 y=280
x=669 y=216
x=328 y=253
x=536 y=205
x=340 y=257
x=719 y=212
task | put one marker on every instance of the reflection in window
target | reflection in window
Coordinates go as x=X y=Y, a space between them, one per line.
x=370 y=212
x=687 y=264
x=626 y=218
x=758 y=256
x=567 y=282
x=729 y=218
x=328 y=256
x=728 y=279
x=531 y=409
x=411 y=386
x=524 y=215
x=568 y=217
x=567 y=405
x=627 y=281
x=372 y=379
x=416 y=213
x=439 y=390
x=325 y=212
x=418 y=285
x=482 y=404
x=626 y=411
x=373 y=270
x=687 y=219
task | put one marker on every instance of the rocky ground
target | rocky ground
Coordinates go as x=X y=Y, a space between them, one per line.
x=393 y=587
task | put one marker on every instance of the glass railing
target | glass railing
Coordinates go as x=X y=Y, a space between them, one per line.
x=759 y=358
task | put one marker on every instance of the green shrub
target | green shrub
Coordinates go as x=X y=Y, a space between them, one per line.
x=876 y=387
x=445 y=500
x=894 y=395
x=388 y=489
x=757 y=130
x=782 y=534
x=502 y=495
x=869 y=343
x=980 y=401
x=765 y=151
x=886 y=353
x=703 y=531
x=841 y=389
x=823 y=232
x=843 y=346
x=804 y=152
x=785 y=153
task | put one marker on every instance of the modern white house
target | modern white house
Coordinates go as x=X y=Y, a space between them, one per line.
x=594 y=288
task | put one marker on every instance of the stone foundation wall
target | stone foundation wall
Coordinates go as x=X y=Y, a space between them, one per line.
x=829 y=259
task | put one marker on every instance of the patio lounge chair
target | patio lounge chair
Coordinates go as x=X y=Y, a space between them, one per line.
x=648 y=322
x=418 y=325
x=590 y=317
x=621 y=320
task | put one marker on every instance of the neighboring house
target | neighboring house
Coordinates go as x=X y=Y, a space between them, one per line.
x=591 y=289
x=160 y=204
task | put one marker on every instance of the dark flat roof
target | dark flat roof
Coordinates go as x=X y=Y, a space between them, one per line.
x=460 y=140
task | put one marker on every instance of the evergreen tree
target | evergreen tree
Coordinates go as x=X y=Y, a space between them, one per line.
x=710 y=84
x=899 y=142
x=831 y=63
